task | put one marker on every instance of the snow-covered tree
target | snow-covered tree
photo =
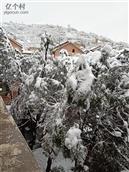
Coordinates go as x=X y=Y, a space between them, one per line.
x=78 y=109
x=6 y=57
x=35 y=108
x=8 y=66
x=104 y=124
x=105 y=127
x=46 y=40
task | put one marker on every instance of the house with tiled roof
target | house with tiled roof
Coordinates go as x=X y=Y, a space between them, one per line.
x=69 y=47
x=16 y=45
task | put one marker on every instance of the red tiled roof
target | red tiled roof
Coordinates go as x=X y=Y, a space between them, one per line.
x=15 y=41
x=65 y=43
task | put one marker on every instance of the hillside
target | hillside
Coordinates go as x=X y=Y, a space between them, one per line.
x=29 y=35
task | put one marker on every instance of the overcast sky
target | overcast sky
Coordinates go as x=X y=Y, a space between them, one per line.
x=105 y=18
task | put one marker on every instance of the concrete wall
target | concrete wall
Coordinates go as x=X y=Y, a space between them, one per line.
x=15 y=155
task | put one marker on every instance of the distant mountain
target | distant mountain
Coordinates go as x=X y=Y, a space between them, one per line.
x=29 y=35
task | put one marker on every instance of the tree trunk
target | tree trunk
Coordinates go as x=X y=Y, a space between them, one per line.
x=49 y=163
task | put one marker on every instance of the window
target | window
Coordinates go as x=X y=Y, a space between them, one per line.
x=73 y=50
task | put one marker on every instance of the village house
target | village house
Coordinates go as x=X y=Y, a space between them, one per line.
x=30 y=50
x=68 y=47
x=16 y=45
x=92 y=49
x=19 y=48
x=27 y=52
x=33 y=49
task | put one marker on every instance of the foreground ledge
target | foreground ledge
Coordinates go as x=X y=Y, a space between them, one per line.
x=15 y=155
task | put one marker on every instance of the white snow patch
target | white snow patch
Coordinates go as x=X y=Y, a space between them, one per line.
x=8 y=107
x=81 y=79
x=72 y=82
x=38 y=82
x=126 y=93
x=32 y=96
x=93 y=57
x=73 y=137
x=29 y=80
x=113 y=62
x=48 y=67
x=58 y=121
x=117 y=133
x=66 y=163
x=55 y=82
x=107 y=48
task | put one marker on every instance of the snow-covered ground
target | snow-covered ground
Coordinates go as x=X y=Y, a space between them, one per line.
x=59 y=161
